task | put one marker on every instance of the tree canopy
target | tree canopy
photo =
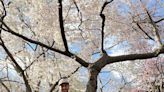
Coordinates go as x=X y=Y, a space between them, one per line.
x=45 y=40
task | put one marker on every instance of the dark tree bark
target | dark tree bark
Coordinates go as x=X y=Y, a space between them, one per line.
x=92 y=83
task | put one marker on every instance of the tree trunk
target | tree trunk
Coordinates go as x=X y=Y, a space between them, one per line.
x=92 y=83
x=28 y=87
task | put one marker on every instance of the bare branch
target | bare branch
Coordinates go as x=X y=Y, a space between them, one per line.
x=36 y=58
x=60 y=7
x=80 y=15
x=4 y=10
x=24 y=21
x=103 y=24
x=7 y=69
x=103 y=85
x=108 y=47
x=69 y=54
x=17 y=67
x=4 y=86
x=159 y=20
x=64 y=19
x=12 y=81
x=104 y=5
x=153 y=24
x=3 y=14
x=120 y=58
x=144 y=31
x=81 y=19
x=105 y=59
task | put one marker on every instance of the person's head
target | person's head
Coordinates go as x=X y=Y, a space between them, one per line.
x=64 y=85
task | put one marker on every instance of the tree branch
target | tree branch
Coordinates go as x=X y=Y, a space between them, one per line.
x=12 y=81
x=105 y=59
x=144 y=31
x=153 y=24
x=17 y=67
x=4 y=10
x=103 y=24
x=107 y=48
x=4 y=86
x=120 y=58
x=60 y=7
x=159 y=20
x=80 y=15
x=37 y=58
x=69 y=54
x=3 y=14
x=80 y=18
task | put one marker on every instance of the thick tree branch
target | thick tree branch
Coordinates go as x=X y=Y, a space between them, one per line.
x=17 y=67
x=3 y=14
x=159 y=20
x=103 y=24
x=4 y=10
x=115 y=59
x=60 y=7
x=105 y=59
x=104 y=5
x=102 y=33
x=69 y=54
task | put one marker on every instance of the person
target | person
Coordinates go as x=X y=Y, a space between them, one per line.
x=64 y=85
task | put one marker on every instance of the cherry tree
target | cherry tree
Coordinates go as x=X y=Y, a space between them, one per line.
x=39 y=38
